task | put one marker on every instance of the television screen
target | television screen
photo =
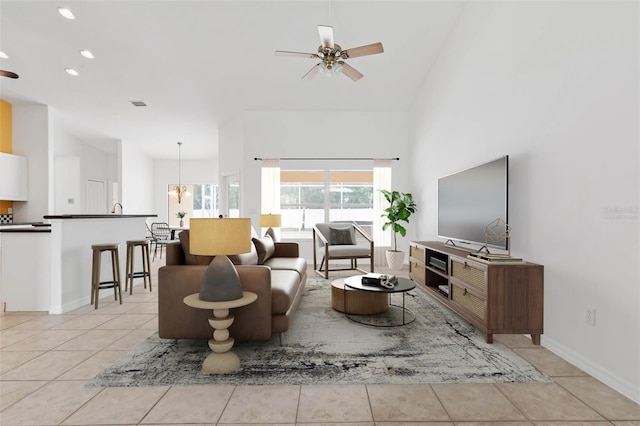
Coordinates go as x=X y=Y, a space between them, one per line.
x=470 y=200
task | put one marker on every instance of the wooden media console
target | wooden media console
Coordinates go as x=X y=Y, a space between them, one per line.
x=498 y=297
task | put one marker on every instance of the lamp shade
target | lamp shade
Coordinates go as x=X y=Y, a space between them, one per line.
x=220 y=237
x=270 y=220
x=211 y=237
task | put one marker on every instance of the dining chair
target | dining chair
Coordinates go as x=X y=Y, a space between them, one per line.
x=161 y=235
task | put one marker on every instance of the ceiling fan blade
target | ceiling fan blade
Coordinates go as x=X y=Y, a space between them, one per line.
x=351 y=72
x=326 y=35
x=299 y=54
x=369 y=49
x=312 y=72
x=9 y=74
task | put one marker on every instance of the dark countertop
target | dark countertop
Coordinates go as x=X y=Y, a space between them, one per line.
x=97 y=216
x=41 y=229
x=25 y=227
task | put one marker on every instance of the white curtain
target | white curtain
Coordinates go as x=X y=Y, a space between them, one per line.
x=270 y=203
x=381 y=180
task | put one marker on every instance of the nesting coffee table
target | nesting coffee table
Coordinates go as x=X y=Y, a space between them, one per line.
x=366 y=291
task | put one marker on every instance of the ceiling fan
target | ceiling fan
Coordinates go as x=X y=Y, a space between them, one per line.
x=332 y=56
x=9 y=74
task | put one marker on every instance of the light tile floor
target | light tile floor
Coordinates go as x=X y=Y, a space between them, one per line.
x=45 y=361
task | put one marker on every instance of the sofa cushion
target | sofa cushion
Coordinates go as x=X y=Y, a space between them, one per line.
x=341 y=236
x=265 y=248
x=284 y=286
x=192 y=259
x=297 y=264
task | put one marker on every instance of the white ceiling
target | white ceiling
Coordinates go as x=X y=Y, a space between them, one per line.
x=198 y=64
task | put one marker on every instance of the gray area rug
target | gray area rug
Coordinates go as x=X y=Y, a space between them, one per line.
x=323 y=346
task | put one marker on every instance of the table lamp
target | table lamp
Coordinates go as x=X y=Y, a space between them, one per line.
x=270 y=221
x=219 y=238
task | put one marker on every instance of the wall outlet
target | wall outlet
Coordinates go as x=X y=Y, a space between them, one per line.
x=10 y=210
x=590 y=316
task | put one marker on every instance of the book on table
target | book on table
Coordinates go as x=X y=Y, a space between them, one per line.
x=379 y=280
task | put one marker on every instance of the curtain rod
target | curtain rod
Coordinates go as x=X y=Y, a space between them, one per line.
x=329 y=158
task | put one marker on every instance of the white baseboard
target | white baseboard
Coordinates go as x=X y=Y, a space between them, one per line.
x=615 y=382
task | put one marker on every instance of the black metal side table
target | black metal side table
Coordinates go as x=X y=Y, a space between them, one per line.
x=403 y=286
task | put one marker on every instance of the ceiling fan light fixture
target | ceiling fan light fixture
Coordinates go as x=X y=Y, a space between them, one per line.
x=332 y=56
x=66 y=13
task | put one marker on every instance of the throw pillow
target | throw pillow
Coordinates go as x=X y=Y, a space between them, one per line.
x=341 y=236
x=265 y=248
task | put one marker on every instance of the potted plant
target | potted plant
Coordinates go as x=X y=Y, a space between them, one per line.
x=401 y=207
x=180 y=215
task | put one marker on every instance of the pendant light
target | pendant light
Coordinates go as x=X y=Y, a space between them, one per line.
x=180 y=190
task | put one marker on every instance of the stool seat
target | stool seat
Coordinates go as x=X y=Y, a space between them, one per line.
x=96 y=284
x=103 y=247
x=146 y=264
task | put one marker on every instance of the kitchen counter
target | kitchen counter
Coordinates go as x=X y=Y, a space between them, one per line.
x=48 y=267
x=25 y=227
x=97 y=216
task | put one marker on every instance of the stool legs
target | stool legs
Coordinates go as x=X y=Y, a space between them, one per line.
x=96 y=284
x=146 y=265
x=115 y=267
x=95 y=276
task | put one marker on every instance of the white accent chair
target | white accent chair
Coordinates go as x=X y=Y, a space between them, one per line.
x=337 y=240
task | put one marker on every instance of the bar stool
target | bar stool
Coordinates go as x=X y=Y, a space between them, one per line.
x=146 y=266
x=96 y=284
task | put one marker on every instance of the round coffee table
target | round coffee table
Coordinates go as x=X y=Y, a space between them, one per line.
x=403 y=285
x=358 y=302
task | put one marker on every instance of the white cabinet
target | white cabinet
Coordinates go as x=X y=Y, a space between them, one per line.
x=13 y=177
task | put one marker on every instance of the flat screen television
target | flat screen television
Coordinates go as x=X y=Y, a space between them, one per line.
x=471 y=199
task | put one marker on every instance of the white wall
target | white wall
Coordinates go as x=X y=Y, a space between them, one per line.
x=32 y=133
x=137 y=186
x=75 y=162
x=555 y=86
x=312 y=134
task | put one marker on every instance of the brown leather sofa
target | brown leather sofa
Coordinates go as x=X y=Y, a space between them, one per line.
x=271 y=270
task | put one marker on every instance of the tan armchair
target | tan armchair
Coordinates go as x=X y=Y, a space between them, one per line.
x=338 y=241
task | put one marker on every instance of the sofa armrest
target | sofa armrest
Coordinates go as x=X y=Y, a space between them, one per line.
x=174 y=254
x=286 y=249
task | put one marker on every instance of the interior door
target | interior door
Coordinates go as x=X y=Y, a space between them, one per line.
x=96 y=196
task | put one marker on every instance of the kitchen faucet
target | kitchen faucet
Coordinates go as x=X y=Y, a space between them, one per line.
x=113 y=210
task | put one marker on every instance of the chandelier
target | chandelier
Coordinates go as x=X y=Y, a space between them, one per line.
x=180 y=189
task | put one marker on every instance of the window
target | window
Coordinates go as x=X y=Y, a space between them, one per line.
x=310 y=197
x=201 y=200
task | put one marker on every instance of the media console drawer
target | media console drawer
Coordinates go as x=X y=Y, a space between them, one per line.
x=469 y=272
x=471 y=302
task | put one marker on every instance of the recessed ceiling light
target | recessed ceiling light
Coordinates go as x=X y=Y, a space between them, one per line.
x=138 y=103
x=66 y=13
x=71 y=71
x=87 y=54
x=3 y=55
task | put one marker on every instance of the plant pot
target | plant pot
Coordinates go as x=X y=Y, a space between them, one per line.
x=395 y=259
x=181 y=223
